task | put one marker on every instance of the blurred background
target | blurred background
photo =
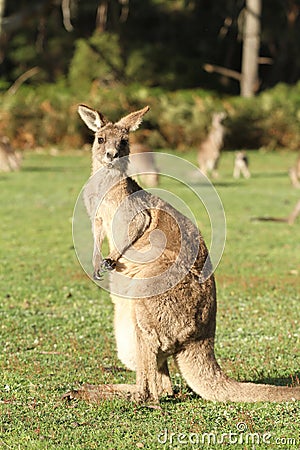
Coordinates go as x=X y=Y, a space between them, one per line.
x=185 y=58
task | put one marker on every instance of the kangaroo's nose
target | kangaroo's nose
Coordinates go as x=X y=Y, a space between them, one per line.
x=111 y=154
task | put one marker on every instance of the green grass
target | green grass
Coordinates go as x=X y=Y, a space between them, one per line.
x=56 y=325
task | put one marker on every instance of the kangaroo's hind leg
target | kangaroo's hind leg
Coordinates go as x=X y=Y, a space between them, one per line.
x=134 y=344
x=164 y=381
x=152 y=375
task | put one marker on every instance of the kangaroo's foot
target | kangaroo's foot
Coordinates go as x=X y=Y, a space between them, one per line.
x=108 y=264
x=96 y=393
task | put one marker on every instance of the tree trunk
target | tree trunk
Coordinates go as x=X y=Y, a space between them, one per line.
x=251 y=37
x=2 y=8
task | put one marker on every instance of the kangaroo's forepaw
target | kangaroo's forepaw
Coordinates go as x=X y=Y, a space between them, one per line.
x=109 y=264
x=98 y=275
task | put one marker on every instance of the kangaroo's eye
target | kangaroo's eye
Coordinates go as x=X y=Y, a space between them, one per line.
x=100 y=140
x=124 y=142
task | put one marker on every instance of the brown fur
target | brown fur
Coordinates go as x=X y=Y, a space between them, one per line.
x=294 y=214
x=10 y=160
x=209 y=151
x=294 y=174
x=179 y=321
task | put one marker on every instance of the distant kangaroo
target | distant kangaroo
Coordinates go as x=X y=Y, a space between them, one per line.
x=10 y=160
x=209 y=150
x=241 y=165
x=289 y=219
x=294 y=174
x=144 y=163
x=152 y=324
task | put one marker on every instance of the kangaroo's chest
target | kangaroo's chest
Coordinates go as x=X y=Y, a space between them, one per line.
x=109 y=213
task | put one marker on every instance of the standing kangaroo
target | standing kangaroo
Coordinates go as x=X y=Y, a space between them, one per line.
x=153 y=323
x=209 y=151
x=290 y=219
x=10 y=160
x=294 y=174
x=144 y=164
x=241 y=165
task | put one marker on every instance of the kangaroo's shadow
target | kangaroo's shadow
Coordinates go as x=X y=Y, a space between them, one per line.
x=44 y=169
x=185 y=393
x=217 y=184
x=270 y=175
x=228 y=183
x=292 y=381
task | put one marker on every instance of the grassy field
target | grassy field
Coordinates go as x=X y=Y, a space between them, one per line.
x=56 y=325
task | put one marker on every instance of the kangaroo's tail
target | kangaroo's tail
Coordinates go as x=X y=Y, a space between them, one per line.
x=202 y=373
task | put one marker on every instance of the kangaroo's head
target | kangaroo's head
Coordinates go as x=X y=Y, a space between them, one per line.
x=111 y=139
x=218 y=117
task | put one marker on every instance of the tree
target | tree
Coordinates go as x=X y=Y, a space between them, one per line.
x=251 y=46
x=2 y=7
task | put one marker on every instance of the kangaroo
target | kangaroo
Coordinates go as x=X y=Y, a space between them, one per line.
x=241 y=165
x=294 y=174
x=153 y=323
x=145 y=162
x=289 y=219
x=294 y=214
x=209 y=150
x=10 y=160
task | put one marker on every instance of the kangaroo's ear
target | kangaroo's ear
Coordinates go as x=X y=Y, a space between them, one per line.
x=92 y=118
x=133 y=120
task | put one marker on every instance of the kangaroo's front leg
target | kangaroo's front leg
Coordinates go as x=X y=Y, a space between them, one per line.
x=98 y=234
x=125 y=235
x=110 y=263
